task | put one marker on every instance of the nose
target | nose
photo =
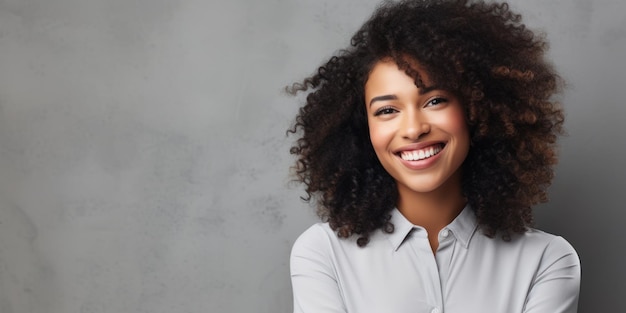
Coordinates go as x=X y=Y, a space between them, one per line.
x=414 y=126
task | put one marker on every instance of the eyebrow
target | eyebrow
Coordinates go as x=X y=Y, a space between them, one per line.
x=383 y=98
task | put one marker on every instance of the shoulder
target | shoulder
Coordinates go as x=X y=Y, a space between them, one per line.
x=545 y=249
x=320 y=244
x=315 y=242
x=547 y=242
x=556 y=278
x=531 y=247
x=532 y=239
x=314 y=251
x=537 y=256
x=317 y=234
x=315 y=237
x=554 y=249
x=320 y=238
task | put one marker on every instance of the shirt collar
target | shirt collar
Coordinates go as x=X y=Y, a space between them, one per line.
x=462 y=227
x=401 y=228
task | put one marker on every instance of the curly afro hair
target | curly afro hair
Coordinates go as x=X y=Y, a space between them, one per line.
x=480 y=51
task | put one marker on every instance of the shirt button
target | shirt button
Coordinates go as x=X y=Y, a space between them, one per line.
x=444 y=234
x=435 y=310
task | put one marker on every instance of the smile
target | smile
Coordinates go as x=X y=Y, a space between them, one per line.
x=421 y=154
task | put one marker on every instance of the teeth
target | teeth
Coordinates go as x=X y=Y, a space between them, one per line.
x=417 y=155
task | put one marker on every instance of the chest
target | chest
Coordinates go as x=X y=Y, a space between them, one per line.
x=413 y=279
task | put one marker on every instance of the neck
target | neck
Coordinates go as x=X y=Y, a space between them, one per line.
x=432 y=210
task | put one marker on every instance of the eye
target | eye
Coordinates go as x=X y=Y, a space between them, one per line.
x=436 y=101
x=385 y=111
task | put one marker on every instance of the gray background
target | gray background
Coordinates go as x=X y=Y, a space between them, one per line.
x=144 y=164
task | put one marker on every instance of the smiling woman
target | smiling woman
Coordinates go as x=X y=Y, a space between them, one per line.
x=421 y=139
x=425 y=144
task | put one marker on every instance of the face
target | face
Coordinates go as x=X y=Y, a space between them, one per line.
x=420 y=136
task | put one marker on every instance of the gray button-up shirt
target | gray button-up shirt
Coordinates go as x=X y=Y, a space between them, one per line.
x=534 y=272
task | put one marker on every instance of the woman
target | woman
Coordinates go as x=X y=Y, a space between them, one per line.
x=425 y=144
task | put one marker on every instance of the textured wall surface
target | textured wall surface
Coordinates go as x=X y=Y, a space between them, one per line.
x=144 y=163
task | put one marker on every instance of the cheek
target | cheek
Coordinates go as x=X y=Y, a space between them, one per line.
x=459 y=129
x=459 y=125
x=456 y=124
x=379 y=136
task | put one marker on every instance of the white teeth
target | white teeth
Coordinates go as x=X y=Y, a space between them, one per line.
x=417 y=155
x=427 y=153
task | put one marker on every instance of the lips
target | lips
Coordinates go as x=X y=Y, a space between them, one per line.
x=416 y=154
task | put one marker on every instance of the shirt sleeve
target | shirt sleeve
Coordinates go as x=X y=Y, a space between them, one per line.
x=313 y=278
x=556 y=287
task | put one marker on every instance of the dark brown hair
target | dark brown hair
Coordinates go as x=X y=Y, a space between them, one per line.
x=484 y=54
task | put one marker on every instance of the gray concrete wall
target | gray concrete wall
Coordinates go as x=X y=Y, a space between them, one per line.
x=144 y=164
